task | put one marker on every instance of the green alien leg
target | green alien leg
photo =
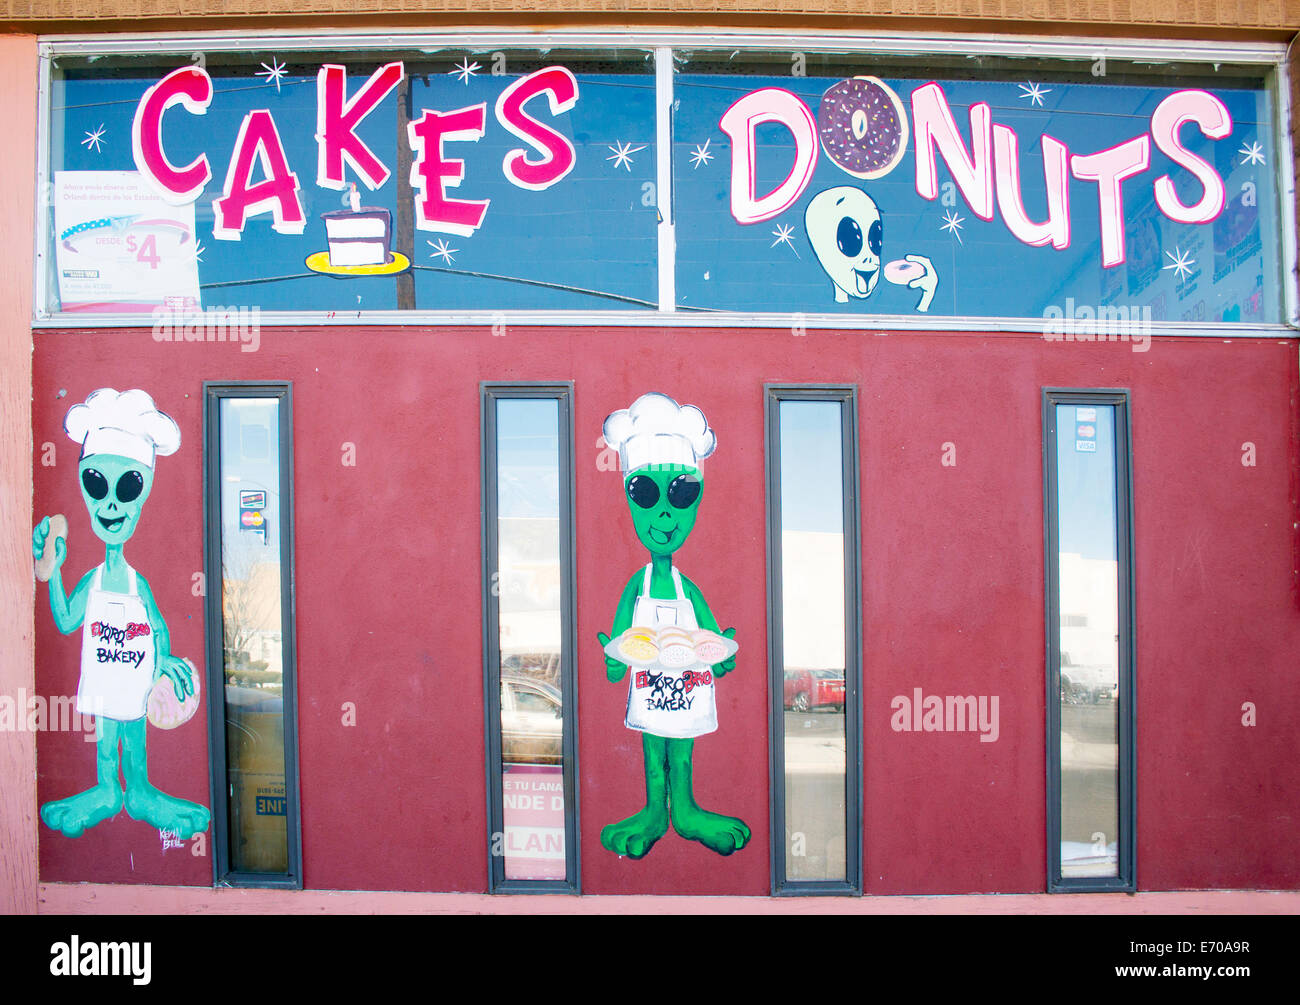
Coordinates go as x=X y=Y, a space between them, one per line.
x=76 y=813
x=723 y=834
x=638 y=833
x=143 y=801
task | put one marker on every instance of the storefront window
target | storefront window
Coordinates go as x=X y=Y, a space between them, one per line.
x=250 y=621
x=528 y=571
x=814 y=622
x=1090 y=642
x=867 y=184
x=391 y=180
x=346 y=184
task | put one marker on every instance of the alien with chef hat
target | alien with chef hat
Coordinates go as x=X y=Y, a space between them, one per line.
x=660 y=446
x=125 y=647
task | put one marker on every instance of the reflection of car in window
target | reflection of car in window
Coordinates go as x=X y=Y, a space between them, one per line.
x=809 y=689
x=532 y=721
x=1087 y=683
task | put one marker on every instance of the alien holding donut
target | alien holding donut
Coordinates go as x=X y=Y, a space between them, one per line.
x=863 y=129
x=664 y=627
x=127 y=668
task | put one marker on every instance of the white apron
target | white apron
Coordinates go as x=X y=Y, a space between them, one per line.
x=678 y=702
x=118 y=657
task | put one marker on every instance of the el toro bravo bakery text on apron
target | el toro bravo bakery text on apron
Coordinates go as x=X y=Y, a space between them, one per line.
x=674 y=702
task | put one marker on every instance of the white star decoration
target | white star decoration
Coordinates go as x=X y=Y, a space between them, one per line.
x=1034 y=92
x=94 y=140
x=1251 y=154
x=464 y=70
x=701 y=154
x=198 y=251
x=272 y=73
x=622 y=154
x=952 y=224
x=1181 y=263
x=784 y=234
x=441 y=250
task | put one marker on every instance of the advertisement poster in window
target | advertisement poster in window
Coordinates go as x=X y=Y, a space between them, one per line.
x=120 y=246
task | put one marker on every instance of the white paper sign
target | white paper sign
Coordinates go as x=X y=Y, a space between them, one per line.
x=119 y=247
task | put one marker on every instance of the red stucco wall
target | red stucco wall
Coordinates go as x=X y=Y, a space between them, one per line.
x=389 y=584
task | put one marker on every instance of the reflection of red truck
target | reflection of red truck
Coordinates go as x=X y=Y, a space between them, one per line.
x=809 y=689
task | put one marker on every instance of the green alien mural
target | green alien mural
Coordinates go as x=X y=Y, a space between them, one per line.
x=663 y=628
x=126 y=648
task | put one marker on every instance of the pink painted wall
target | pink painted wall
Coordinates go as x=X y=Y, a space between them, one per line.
x=389 y=586
x=92 y=898
x=17 y=750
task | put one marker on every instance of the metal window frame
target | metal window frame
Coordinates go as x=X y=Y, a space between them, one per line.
x=662 y=46
x=491 y=392
x=846 y=396
x=282 y=392
x=1126 y=880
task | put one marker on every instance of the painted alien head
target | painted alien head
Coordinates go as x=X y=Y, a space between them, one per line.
x=846 y=232
x=114 y=490
x=664 y=500
x=121 y=435
x=660 y=445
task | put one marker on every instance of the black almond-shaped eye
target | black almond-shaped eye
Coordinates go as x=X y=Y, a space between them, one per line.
x=848 y=235
x=683 y=491
x=129 y=486
x=96 y=484
x=643 y=491
x=874 y=237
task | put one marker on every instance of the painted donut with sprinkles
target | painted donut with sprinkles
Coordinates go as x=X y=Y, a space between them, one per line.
x=863 y=127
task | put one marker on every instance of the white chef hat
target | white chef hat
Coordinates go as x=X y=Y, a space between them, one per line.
x=656 y=430
x=125 y=423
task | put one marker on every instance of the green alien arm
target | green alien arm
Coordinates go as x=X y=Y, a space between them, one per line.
x=615 y=670
x=168 y=665
x=68 y=611
x=705 y=618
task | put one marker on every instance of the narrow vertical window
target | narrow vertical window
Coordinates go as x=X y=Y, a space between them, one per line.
x=529 y=643
x=1090 y=645
x=814 y=631
x=248 y=476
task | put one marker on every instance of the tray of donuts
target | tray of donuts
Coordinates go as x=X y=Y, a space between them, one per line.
x=671 y=648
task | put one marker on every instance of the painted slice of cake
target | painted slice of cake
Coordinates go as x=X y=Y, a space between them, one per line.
x=359 y=237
